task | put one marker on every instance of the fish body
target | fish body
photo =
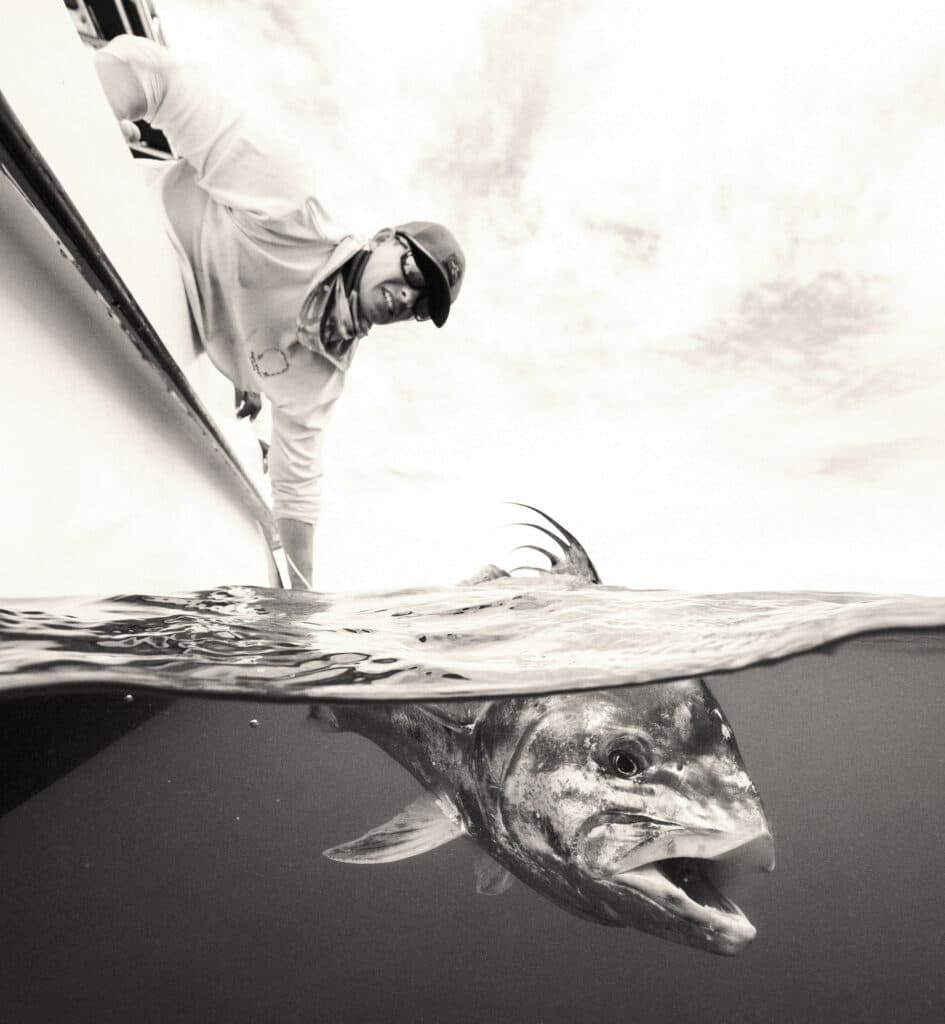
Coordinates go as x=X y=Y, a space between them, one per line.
x=628 y=807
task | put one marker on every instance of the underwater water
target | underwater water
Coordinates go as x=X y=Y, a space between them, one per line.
x=161 y=856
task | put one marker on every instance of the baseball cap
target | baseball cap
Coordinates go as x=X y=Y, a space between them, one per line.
x=441 y=261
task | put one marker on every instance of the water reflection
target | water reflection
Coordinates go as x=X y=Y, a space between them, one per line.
x=627 y=807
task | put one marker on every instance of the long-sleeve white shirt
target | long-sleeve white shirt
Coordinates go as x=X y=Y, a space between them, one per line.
x=250 y=238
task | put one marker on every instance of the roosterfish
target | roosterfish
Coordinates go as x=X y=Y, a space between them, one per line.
x=628 y=807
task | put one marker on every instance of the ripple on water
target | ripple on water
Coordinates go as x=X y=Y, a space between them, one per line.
x=549 y=634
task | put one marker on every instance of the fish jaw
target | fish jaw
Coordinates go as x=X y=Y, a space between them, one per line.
x=675 y=877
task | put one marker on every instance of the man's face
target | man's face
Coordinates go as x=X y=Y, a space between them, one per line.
x=390 y=283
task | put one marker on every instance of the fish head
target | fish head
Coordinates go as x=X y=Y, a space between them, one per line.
x=632 y=807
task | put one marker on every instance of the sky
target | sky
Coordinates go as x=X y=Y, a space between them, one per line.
x=701 y=323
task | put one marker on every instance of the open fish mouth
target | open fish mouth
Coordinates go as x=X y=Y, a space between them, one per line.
x=688 y=888
x=684 y=874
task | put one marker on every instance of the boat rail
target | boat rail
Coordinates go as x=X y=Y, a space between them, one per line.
x=25 y=167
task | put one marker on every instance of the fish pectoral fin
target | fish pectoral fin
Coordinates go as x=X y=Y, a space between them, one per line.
x=424 y=825
x=491 y=878
x=323 y=717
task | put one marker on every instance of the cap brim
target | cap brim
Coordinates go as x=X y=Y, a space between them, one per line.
x=438 y=286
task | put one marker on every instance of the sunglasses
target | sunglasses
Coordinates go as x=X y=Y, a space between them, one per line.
x=414 y=277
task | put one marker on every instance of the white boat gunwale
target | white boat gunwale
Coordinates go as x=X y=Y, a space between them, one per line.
x=25 y=167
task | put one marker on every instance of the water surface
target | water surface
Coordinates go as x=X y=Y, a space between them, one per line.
x=513 y=635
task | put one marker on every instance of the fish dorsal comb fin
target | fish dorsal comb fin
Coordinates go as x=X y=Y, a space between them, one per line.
x=424 y=825
x=573 y=560
x=491 y=878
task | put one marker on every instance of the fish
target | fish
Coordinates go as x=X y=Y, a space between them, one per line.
x=629 y=807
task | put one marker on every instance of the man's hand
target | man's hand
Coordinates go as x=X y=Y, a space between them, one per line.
x=130 y=131
x=248 y=403
x=298 y=544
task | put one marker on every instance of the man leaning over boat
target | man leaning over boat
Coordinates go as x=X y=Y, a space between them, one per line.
x=279 y=296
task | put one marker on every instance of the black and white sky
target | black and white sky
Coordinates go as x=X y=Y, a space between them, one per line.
x=705 y=244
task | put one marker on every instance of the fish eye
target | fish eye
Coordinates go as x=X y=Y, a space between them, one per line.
x=623 y=763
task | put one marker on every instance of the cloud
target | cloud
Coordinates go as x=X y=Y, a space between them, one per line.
x=505 y=101
x=640 y=245
x=868 y=463
x=805 y=335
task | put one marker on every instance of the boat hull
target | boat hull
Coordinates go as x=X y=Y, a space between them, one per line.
x=124 y=467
